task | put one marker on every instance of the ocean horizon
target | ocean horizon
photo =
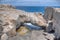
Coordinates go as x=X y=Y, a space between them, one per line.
x=34 y=8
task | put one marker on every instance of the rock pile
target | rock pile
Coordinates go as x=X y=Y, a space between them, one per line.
x=12 y=18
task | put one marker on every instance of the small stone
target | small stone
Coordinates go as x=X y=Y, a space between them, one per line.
x=4 y=37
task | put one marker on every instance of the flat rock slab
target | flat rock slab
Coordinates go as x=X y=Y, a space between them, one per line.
x=41 y=35
x=24 y=37
x=34 y=35
x=38 y=35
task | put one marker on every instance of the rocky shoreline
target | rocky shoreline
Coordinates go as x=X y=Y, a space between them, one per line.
x=12 y=19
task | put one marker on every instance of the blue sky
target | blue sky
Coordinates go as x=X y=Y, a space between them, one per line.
x=31 y=2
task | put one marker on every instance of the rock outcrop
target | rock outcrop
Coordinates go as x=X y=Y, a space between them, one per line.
x=24 y=16
x=12 y=18
x=53 y=14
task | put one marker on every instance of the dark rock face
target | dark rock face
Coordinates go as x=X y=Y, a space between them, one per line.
x=53 y=14
x=48 y=15
x=56 y=21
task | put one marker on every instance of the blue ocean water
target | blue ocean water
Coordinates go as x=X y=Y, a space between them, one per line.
x=33 y=8
x=32 y=27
